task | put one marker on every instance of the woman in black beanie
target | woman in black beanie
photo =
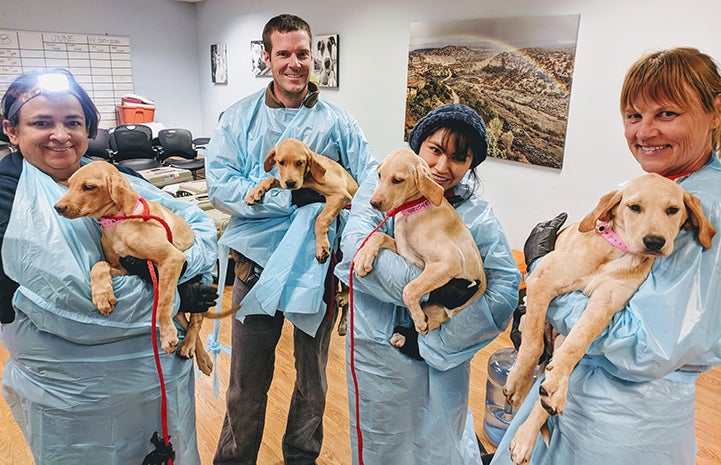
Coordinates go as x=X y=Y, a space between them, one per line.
x=413 y=403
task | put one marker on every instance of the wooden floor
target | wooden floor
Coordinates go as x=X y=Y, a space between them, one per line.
x=336 y=447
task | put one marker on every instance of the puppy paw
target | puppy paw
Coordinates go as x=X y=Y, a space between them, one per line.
x=363 y=262
x=255 y=195
x=522 y=444
x=104 y=301
x=168 y=338
x=421 y=323
x=322 y=251
x=553 y=390
x=204 y=363
x=518 y=384
x=186 y=349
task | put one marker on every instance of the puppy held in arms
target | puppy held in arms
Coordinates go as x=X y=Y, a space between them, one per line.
x=608 y=255
x=429 y=233
x=299 y=166
x=98 y=190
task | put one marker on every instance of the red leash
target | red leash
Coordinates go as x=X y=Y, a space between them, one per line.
x=164 y=453
x=156 y=354
x=108 y=221
x=351 y=314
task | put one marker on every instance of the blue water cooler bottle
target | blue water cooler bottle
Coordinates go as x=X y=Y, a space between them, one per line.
x=499 y=412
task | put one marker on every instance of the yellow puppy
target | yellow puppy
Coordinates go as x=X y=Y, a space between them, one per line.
x=430 y=235
x=607 y=256
x=298 y=167
x=98 y=190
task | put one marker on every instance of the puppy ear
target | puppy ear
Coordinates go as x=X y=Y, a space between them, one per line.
x=602 y=212
x=316 y=170
x=697 y=219
x=427 y=186
x=121 y=193
x=269 y=160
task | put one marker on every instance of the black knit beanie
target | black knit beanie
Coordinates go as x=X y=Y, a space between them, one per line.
x=451 y=113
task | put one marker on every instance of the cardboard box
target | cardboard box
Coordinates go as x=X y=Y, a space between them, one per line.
x=221 y=219
x=165 y=175
x=203 y=202
x=135 y=114
x=193 y=187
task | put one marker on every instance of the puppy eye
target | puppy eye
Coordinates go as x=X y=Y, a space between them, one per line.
x=299 y=163
x=635 y=207
x=281 y=163
x=396 y=181
x=672 y=210
x=88 y=187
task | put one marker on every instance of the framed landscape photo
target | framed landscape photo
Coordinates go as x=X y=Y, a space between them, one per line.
x=515 y=72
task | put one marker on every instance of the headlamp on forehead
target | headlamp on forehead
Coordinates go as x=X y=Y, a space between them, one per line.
x=47 y=84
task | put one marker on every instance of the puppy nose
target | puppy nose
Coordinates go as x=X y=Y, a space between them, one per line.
x=654 y=243
x=60 y=208
x=375 y=204
x=290 y=184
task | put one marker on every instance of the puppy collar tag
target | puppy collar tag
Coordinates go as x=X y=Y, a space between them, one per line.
x=412 y=207
x=610 y=235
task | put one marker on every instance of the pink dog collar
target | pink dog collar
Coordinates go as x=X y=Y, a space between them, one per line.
x=417 y=208
x=607 y=233
x=108 y=221
x=411 y=207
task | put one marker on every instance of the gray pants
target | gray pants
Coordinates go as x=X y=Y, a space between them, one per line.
x=251 y=372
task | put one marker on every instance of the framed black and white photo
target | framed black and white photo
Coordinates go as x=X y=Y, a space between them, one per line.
x=257 y=64
x=219 y=63
x=325 y=60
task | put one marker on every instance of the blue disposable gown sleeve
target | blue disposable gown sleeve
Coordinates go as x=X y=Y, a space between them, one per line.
x=459 y=338
x=233 y=168
x=673 y=321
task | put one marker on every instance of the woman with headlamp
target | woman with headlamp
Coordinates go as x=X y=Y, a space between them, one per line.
x=82 y=386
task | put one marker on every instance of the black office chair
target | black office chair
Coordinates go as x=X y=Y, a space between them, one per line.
x=133 y=147
x=179 y=150
x=99 y=146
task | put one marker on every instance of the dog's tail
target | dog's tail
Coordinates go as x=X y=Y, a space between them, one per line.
x=216 y=316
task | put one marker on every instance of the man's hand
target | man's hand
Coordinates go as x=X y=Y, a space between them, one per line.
x=304 y=196
x=405 y=339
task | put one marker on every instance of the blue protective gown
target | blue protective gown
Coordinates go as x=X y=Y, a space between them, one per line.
x=83 y=386
x=273 y=233
x=412 y=412
x=631 y=399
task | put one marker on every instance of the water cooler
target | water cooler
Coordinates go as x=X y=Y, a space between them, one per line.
x=499 y=413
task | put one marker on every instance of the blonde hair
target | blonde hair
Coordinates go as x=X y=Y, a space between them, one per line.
x=667 y=76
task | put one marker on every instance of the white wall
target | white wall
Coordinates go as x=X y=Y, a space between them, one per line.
x=163 y=41
x=373 y=66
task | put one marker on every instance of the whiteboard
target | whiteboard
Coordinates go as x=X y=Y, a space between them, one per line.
x=100 y=63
